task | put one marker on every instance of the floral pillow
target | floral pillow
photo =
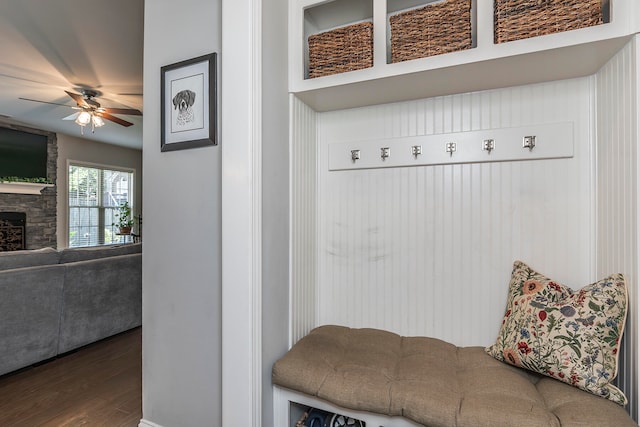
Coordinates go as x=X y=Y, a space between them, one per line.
x=571 y=336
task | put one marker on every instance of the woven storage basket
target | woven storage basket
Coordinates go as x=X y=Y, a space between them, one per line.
x=435 y=29
x=342 y=49
x=521 y=19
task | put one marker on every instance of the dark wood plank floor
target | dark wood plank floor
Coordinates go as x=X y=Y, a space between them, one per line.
x=98 y=385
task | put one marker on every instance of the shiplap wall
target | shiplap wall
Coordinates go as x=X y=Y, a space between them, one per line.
x=302 y=291
x=618 y=185
x=428 y=250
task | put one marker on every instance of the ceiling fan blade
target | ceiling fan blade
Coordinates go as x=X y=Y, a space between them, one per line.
x=78 y=98
x=72 y=116
x=115 y=119
x=128 y=111
x=45 y=102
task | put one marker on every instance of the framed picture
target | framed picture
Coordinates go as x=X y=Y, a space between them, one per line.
x=188 y=96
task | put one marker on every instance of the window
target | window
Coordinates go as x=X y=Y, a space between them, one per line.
x=95 y=193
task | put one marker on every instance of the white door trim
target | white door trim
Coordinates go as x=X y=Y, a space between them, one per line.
x=241 y=145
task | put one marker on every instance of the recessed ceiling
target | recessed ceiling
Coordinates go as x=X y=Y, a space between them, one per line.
x=47 y=47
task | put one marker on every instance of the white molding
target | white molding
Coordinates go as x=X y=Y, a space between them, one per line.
x=145 y=423
x=23 y=187
x=636 y=48
x=256 y=194
x=241 y=213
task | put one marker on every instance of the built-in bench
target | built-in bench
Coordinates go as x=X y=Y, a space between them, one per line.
x=384 y=379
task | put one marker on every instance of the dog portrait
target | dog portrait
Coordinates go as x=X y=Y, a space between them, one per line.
x=183 y=102
x=188 y=113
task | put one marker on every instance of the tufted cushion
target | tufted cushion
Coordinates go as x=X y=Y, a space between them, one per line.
x=571 y=336
x=433 y=383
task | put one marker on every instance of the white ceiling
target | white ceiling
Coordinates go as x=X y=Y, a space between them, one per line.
x=49 y=46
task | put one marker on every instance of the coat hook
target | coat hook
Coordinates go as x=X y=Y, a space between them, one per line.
x=451 y=147
x=529 y=142
x=416 y=150
x=355 y=155
x=488 y=145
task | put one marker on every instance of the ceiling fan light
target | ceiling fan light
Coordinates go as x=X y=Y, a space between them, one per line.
x=83 y=118
x=97 y=121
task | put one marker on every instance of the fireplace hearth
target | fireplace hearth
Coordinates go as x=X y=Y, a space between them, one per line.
x=13 y=236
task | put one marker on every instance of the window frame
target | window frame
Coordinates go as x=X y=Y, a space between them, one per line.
x=101 y=207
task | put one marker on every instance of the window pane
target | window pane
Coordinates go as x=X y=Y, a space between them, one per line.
x=82 y=226
x=83 y=186
x=116 y=188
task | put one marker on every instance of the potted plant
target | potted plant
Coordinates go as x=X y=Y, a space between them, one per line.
x=124 y=219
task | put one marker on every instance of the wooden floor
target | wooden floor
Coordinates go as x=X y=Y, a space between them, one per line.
x=98 y=385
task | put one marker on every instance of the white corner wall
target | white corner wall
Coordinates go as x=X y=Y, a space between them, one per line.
x=182 y=286
x=242 y=213
x=618 y=210
x=275 y=196
x=215 y=262
x=303 y=224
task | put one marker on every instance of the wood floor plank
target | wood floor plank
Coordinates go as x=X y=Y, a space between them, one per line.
x=98 y=385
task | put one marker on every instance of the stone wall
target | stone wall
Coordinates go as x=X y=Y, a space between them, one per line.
x=41 y=209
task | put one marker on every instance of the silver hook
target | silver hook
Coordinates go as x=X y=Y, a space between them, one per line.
x=451 y=147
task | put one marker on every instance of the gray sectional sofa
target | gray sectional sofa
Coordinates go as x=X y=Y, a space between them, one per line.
x=54 y=301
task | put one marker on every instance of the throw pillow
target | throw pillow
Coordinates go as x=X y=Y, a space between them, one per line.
x=573 y=336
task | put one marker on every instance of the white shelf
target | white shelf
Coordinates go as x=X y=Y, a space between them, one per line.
x=23 y=187
x=288 y=403
x=557 y=56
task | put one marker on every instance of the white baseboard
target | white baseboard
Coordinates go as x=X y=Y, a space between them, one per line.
x=146 y=423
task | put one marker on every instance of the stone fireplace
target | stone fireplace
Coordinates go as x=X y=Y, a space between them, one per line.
x=40 y=209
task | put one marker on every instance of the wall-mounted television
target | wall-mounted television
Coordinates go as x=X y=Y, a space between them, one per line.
x=22 y=154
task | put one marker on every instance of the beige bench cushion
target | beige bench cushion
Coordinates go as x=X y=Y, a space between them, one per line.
x=433 y=382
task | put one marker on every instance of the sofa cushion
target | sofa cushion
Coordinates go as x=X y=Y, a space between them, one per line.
x=571 y=336
x=30 y=305
x=101 y=298
x=28 y=258
x=94 y=252
x=433 y=382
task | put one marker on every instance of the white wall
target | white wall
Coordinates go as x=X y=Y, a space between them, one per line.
x=254 y=201
x=428 y=250
x=87 y=151
x=203 y=307
x=618 y=158
x=304 y=214
x=275 y=196
x=182 y=322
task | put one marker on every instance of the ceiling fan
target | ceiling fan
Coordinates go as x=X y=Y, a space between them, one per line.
x=90 y=110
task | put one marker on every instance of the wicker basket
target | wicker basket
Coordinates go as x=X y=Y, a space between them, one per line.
x=435 y=29
x=521 y=19
x=342 y=49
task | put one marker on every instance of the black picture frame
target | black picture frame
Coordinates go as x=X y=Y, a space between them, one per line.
x=188 y=94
